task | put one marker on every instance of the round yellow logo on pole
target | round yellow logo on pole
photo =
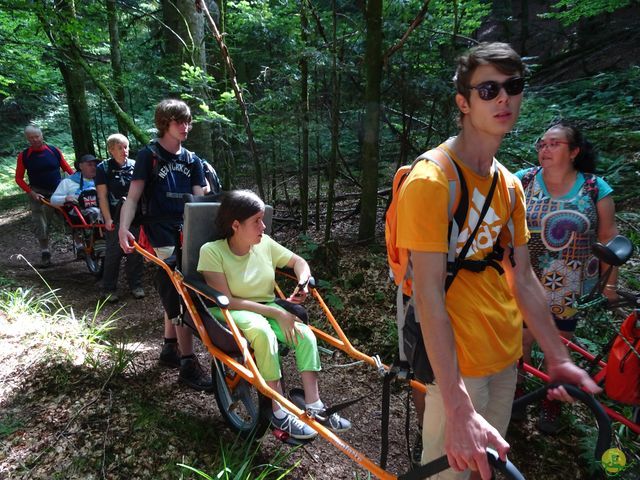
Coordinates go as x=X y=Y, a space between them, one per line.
x=614 y=460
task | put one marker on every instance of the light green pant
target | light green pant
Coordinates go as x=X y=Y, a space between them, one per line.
x=264 y=333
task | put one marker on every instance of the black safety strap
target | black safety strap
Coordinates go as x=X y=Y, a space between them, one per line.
x=457 y=265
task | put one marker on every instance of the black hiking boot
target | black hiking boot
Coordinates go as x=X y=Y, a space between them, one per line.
x=192 y=375
x=170 y=355
x=45 y=259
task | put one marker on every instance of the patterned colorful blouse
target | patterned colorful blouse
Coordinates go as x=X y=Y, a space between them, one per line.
x=563 y=230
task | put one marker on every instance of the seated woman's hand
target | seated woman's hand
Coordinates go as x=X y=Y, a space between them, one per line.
x=288 y=325
x=298 y=296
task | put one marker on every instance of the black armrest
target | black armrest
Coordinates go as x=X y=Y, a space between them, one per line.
x=616 y=252
x=199 y=285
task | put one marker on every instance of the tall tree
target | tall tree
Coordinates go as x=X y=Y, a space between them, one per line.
x=116 y=61
x=61 y=26
x=231 y=71
x=370 y=151
x=304 y=107
x=184 y=44
x=335 y=123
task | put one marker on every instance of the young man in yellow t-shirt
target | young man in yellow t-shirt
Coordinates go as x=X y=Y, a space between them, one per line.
x=472 y=332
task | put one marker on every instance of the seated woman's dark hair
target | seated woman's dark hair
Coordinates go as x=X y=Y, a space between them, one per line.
x=587 y=158
x=236 y=205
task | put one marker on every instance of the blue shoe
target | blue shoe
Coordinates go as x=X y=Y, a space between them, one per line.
x=333 y=422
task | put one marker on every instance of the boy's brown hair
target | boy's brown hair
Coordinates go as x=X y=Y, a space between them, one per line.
x=170 y=109
x=500 y=55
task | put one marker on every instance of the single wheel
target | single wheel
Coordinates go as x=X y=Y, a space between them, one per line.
x=95 y=258
x=95 y=264
x=245 y=409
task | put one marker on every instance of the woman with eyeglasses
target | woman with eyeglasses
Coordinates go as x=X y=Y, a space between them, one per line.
x=569 y=208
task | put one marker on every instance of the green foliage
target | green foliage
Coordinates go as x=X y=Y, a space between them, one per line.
x=570 y=11
x=333 y=301
x=240 y=462
x=8 y=425
x=614 y=136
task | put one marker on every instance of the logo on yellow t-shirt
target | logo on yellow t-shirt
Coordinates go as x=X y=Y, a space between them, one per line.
x=488 y=232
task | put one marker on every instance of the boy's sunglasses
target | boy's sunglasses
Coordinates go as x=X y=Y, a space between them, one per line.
x=490 y=89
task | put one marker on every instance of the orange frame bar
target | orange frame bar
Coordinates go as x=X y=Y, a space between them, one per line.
x=249 y=370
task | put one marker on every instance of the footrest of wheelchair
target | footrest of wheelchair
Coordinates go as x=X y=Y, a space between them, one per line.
x=296 y=395
x=284 y=437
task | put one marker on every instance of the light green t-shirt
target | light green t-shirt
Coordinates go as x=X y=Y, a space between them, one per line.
x=250 y=276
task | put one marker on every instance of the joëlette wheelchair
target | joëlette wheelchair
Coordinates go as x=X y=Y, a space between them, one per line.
x=242 y=395
x=615 y=253
x=90 y=235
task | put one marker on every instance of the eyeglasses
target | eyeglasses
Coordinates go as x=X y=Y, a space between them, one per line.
x=490 y=89
x=552 y=144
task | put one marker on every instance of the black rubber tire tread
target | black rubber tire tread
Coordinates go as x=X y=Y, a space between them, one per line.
x=256 y=408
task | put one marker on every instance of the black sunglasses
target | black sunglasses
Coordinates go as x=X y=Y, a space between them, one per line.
x=490 y=89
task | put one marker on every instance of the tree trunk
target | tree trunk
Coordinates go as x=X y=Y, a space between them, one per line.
x=304 y=106
x=370 y=147
x=73 y=76
x=335 y=126
x=184 y=43
x=116 y=62
x=238 y=94
x=120 y=114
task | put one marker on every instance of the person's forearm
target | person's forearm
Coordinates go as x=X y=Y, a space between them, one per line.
x=127 y=214
x=255 y=307
x=103 y=203
x=429 y=273
x=440 y=344
x=302 y=270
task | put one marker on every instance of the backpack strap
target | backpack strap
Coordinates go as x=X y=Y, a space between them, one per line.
x=529 y=175
x=591 y=186
x=458 y=205
x=453 y=269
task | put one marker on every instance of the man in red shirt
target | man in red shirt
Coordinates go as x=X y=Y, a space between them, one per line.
x=42 y=164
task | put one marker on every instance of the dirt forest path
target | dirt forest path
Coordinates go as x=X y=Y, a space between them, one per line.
x=141 y=424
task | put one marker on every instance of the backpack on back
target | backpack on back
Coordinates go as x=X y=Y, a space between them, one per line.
x=411 y=345
x=398 y=258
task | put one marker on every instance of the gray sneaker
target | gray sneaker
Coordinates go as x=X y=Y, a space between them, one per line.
x=138 y=293
x=333 y=422
x=293 y=426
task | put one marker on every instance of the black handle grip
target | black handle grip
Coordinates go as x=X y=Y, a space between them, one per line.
x=438 y=465
x=604 y=423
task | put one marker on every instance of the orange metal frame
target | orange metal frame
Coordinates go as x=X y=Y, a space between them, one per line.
x=249 y=371
x=613 y=415
x=83 y=223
